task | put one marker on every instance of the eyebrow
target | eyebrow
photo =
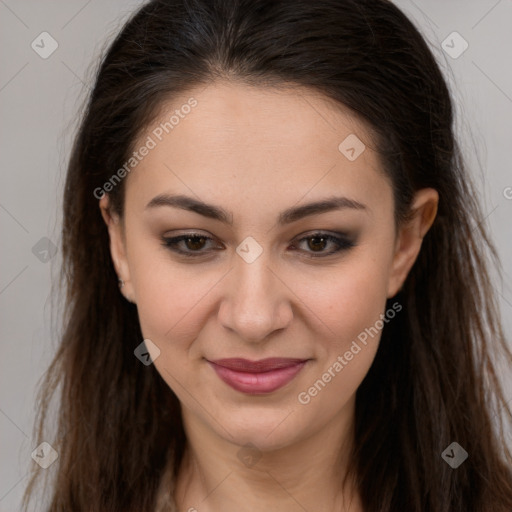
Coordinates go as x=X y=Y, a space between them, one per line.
x=286 y=217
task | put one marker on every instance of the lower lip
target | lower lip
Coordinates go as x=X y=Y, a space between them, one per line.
x=257 y=383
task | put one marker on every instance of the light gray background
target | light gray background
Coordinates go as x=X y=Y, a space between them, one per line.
x=39 y=105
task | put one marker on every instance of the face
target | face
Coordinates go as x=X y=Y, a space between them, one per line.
x=258 y=274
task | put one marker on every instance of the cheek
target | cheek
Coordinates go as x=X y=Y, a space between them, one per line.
x=170 y=307
x=169 y=295
x=346 y=299
x=351 y=305
x=170 y=304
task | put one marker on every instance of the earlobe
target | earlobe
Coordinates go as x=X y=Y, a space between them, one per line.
x=410 y=237
x=117 y=245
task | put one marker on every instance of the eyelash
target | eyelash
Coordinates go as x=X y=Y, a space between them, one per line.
x=342 y=244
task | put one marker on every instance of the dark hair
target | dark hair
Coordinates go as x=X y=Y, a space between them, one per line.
x=433 y=380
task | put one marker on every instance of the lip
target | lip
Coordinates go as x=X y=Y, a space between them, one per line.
x=257 y=377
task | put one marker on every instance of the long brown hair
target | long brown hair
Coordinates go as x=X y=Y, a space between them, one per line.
x=434 y=378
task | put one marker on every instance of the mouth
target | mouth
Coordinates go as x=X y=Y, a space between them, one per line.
x=257 y=377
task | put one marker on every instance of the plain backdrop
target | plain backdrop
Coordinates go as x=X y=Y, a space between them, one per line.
x=40 y=100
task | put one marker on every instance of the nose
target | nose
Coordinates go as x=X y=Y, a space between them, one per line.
x=257 y=301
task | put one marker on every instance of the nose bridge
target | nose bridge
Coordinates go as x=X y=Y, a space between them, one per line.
x=256 y=305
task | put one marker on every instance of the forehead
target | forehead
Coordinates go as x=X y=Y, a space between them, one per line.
x=256 y=146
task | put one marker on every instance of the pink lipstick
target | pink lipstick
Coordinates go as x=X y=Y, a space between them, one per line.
x=257 y=377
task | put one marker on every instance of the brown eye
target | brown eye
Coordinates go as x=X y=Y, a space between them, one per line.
x=317 y=242
x=192 y=244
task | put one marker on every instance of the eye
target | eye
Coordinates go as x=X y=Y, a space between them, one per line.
x=318 y=241
x=194 y=243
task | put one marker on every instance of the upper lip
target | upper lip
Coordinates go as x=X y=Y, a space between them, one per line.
x=261 y=365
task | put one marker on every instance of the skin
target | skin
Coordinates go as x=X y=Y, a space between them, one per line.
x=256 y=152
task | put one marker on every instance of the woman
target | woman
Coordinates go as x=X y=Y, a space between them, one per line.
x=277 y=290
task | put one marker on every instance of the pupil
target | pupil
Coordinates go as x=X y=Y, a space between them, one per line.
x=312 y=246
x=193 y=241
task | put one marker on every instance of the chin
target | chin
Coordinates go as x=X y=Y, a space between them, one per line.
x=266 y=431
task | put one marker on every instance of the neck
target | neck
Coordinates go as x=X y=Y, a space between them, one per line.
x=219 y=475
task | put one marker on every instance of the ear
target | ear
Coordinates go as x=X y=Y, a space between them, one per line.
x=410 y=237
x=117 y=245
